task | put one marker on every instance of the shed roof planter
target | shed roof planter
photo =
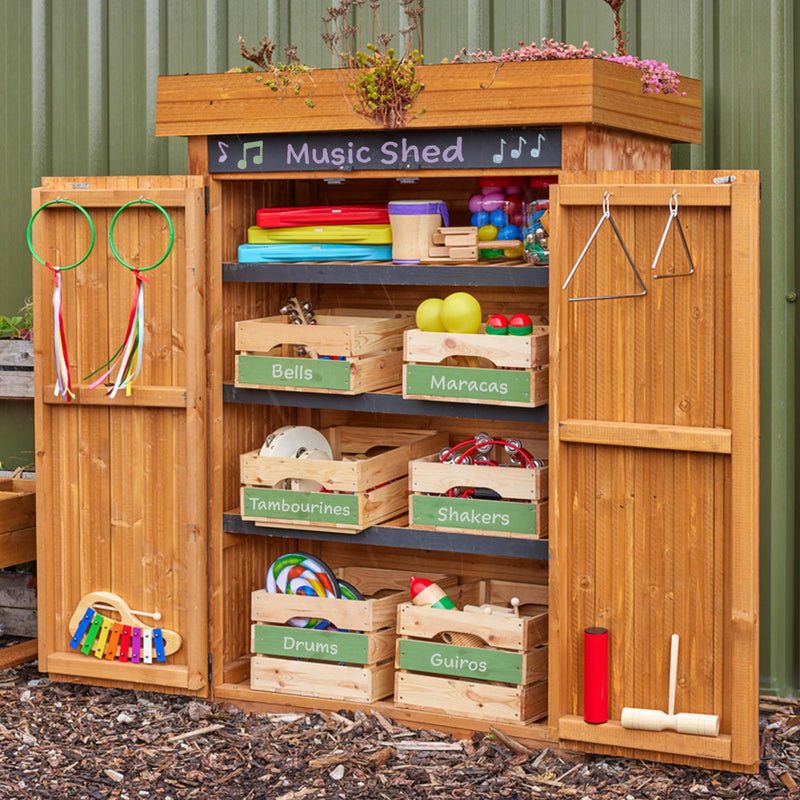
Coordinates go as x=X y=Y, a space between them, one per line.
x=585 y=91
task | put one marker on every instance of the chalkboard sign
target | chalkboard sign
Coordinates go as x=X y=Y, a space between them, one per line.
x=477 y=148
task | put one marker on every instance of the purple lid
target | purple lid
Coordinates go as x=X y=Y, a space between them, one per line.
x=401 y=207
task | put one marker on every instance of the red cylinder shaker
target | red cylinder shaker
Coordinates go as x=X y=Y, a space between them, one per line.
x=595 y=675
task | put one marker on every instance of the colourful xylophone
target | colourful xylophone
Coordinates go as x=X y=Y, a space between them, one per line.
x=125 y=638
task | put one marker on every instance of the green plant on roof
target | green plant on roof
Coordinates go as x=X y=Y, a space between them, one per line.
x=279 y=77
x=379 y=80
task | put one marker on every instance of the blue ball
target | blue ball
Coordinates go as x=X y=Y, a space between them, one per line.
x=498 y=218
x=509 y=232
x=479 y=219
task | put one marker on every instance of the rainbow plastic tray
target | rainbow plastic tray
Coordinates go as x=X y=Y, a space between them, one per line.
x=263 y=253
x=369 y=233
x=289 y=216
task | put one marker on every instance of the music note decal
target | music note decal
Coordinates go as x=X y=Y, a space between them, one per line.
x=515 y=152
x=258 y=158
x=538 y=149
x=223 y=155
x=498 y=157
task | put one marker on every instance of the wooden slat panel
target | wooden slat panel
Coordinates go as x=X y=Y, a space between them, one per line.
x=644 y=195
x=663 y=437
x=743 y=591
x=654 y=409
x=123 y=505
x=147 y=396
x=576 y=730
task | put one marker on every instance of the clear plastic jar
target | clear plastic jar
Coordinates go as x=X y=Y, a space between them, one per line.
x=535 y=233
x=497 y=213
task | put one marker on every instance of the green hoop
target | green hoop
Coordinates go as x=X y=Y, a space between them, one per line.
x=36 y=214
x=171 y=235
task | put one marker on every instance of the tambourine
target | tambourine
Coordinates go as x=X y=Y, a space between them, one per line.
x=303 y=443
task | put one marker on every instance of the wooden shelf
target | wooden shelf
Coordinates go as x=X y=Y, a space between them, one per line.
x=382 y=403
x=377 y=273
x=533 y=734
x=407 y=538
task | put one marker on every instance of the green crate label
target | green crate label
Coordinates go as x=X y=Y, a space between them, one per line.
x=312 y=373
x=465 y=662
x=317 y=645
x=311 y=506
x=508 y=385
x=502 y=516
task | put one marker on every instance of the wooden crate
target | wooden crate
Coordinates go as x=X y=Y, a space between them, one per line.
x=355 y=662
x=453 y=367
x=17 y=521
x=18 y=605
x=16 y=368
x=371 y=343
x=18 y=545
x=504 y=681
x=359 y=493
x=523 y=513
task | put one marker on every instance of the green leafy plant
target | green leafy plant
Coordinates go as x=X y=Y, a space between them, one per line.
x=380 y=80
x=280 y=77
x=20 y=325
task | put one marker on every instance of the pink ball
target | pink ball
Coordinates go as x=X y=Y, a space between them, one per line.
x=493 y=201
x=476 y=203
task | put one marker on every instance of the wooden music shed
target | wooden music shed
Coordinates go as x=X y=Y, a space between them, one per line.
x=651 y=430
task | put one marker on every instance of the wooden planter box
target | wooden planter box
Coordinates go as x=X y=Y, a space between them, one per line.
x=353 y=663
x=16 y=369
x=452 y=367
x=521 y=514
x=356 y=496
x=504 y=681
x=370 y=342
x=589 y=92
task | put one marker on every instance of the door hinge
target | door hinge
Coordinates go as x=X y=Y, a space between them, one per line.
x=208 y=202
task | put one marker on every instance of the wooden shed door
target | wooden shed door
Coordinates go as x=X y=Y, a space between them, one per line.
x=121 y=482
x=654 y=410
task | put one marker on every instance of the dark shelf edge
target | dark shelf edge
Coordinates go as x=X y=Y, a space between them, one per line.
x=385 y=273
x=378 y=403
x=407 y=538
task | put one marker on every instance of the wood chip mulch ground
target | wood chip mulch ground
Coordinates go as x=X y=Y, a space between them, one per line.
x=71 y=741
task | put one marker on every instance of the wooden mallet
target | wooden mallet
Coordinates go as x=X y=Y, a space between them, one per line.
x=647 y=719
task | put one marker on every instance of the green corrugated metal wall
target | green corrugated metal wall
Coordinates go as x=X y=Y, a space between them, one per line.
x=78 y=84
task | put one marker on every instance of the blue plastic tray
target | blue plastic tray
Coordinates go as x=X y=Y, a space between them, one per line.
x=262 y=253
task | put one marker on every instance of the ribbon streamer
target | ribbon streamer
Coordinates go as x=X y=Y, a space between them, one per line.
x=129 y=351
x=127 y=361
x=63 y=386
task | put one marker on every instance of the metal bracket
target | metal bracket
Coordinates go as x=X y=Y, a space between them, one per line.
x=606 y=216
x=673 y=215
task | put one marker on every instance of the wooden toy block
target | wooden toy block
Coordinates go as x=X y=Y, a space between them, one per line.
x=462 y=244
